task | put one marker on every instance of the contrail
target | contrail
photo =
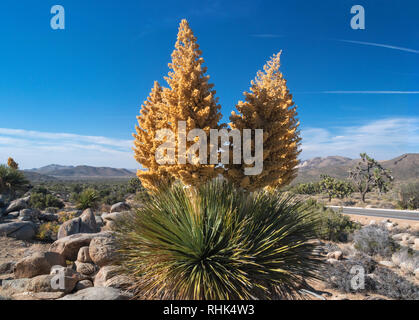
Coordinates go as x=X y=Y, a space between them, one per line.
x=381 y=45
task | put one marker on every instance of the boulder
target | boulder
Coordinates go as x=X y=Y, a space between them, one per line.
x=85 y=268
x=83 y=284
x=13 y=215
x=120 y=206
x=28 y=214
x=17 y=205
x=15 y=285
x=105 y=273
x=21 y=230
x=37 y=264
x=44 y=283
x=86 y=223
x=69 y=246
x=119 y=282
x=83 y=255
x=98 y=293
x=7 y=267
x=99 y=221
x=102 y=249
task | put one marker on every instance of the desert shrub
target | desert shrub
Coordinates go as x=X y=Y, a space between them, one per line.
x=216 y=242
x=332 y=225
x=392 y=285
x=374 y=240
x=48 y=231
x=339 y=275
x=12 y=180
x=41 y=201
x=306 y=188
x=409 y=196
x=408 y=257
x=377 y=279
x=88 y=198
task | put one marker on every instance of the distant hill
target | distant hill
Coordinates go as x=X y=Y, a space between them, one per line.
x=404 y=167
x=79 y=172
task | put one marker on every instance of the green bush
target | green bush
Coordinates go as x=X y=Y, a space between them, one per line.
x=217 y=242
x=88 y=198
x=374 y=240
x=332 y=226
x=41 y=201
x=12 y=180
x=335 y=188
x=306 y=188
x=409 y=196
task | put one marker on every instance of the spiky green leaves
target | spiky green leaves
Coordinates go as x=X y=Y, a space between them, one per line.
x=216 y=242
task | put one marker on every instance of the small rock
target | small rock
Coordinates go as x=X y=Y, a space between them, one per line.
x=83 y=255
x=417 y=244
x=102 y=249
x=337 y=255
x=37 y=264
x=83 y=284
x=332 y=261
x=120 y=206
x=105 y=273
x=387 y=263
x=399 y=236
x=17 y=205
x=85 y=268
x=417 y=273
x=372 y=221
x=98 y=293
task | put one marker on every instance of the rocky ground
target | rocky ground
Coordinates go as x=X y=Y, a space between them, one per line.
x=79 y=264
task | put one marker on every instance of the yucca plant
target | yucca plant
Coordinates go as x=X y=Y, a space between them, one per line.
x=12 y=180
x=88 y=198
x=217 y=242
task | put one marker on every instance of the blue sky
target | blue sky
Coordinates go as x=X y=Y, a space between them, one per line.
x=71 y=96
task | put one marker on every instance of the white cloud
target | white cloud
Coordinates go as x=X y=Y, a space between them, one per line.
x=383 y=139
x=34 y=149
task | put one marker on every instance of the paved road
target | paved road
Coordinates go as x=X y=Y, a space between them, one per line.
x=382 y=213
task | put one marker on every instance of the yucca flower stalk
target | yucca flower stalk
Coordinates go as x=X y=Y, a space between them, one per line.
x=217 y=242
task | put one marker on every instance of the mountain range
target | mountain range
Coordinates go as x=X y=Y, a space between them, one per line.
x=404 y=167
x=59 y=172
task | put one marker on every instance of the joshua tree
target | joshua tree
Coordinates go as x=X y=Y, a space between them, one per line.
x=335 y=188
x=269 y=106
x=369 y=174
